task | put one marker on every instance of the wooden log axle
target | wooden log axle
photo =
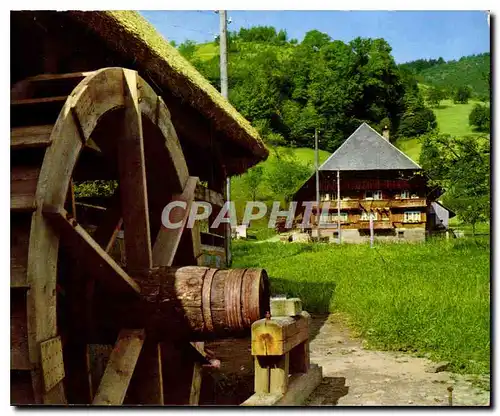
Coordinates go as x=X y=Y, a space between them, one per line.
x=192 y=303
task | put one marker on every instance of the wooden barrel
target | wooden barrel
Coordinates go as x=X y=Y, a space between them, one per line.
x=218 y=302
x=233 y=299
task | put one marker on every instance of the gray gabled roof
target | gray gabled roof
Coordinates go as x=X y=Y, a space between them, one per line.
x=365 y=149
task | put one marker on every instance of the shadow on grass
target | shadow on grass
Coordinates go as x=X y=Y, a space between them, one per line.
x=440 y=107
x=316 y=296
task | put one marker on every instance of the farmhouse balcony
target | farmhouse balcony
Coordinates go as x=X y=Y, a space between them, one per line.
x=408 y=203
x=368 y=205
x=344 y=204
x=377 y=225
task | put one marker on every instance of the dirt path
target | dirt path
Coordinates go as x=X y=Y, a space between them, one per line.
x=355 y=376
x=351 y=375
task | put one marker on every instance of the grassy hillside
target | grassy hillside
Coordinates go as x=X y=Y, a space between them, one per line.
x=452 y=119
x=206 y=51
x=303 y=156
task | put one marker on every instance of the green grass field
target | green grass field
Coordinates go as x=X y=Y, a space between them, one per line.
x=454 y=118
x=424 y=298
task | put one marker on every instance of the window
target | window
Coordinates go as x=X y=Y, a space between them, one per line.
x=405 y=194
x=325 y=218
x=412 y=216
x=401 y=234
x=343 y=217
x=331 y=196
x=414 y=196
x=365 y=216
x=332 y=218
x=373 y=195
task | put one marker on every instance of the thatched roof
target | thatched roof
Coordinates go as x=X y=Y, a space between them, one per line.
x=365 y=149
x=129 y=33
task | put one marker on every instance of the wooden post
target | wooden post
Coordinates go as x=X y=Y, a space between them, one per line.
x=283 y=374
x=261 y=375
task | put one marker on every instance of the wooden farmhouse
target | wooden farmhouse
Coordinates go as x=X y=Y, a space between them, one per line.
x=108 y=125
x=376 y=180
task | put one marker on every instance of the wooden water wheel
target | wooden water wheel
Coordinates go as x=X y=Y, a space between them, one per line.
x=76 y=284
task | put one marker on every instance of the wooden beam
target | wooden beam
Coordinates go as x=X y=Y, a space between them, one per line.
x=279 y=335
x=83 y=246
x=133 y=180
x=278 y=377
x=31 y=136
x=23 y=183
x=19 y=244
x=194 y=395
x=168 y=239
x=261 y=374
x=146 y=386
x=300 y=387
x=120 y=368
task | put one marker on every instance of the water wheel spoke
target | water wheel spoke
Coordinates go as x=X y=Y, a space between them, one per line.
x=133 y=189
x=120 y=368
x=168 y=239
x=98 y=262
x=107 y=231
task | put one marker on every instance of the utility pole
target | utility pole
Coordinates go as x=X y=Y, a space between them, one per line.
x=316 y=160
x=224 y=92
x=370 y=213
x=338 y=204
x=223 y=53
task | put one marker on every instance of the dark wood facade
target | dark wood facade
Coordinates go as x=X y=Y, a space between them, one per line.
x=398 y=199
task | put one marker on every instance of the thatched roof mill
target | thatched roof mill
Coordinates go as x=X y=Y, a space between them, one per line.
x=215 y=138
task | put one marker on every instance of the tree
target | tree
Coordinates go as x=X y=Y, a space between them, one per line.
x=173 y=43
x=479 y=117
x=417 y=122
x=320 y=83
x=187 y=49
x=460 y=166
x=315 y=39
x=284 y=177
x=252 y=179
x=462 y=95
x=434 y=96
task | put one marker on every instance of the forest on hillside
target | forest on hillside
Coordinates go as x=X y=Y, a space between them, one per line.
x=473 y=71
x=287 y=89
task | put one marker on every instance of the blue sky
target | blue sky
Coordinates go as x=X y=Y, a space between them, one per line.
x=412 y=34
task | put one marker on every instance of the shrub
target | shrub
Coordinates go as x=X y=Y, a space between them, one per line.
x=479 y=117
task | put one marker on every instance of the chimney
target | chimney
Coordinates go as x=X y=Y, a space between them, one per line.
x=385 y=133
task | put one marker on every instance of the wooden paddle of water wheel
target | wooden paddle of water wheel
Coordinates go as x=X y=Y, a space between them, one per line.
x=106 y=303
